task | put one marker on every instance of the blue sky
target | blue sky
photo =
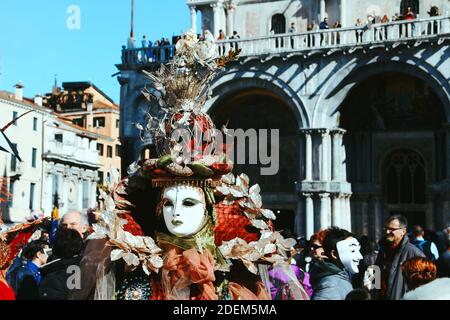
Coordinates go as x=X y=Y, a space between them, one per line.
x=36 y=44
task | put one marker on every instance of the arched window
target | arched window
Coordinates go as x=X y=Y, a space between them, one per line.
x=414 y=4
x=278 y=24
x=405 y=178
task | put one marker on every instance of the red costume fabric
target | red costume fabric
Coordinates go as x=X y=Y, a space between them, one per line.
x=6 y=292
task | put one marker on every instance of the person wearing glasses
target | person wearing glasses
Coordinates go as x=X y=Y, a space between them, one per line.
x=395 y=248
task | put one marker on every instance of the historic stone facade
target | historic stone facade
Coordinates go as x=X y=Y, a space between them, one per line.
x=363 y=115
x=251 y=18
x=59 y=161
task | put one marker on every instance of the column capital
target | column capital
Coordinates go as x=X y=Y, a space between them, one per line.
x=192 y=8
x=230 y=5
x=307 y=131
x=217 y=5
x=324 y=195
x=338 y=131
x=323 y=132
x=307 y=195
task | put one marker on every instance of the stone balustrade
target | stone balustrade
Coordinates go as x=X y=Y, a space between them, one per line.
x=308 y=42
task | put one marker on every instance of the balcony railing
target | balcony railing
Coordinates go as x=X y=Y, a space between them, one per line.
x=419 y=29
x=198 y=2
x=141 y=56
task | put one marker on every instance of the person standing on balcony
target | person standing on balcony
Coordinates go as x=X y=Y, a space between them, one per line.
x=292 y=29
x=221 y=37
x=409 y=16
x=359 y=32
x=235 y=36
x=323 y=26
x=144 y=41
x=157 y=50
x=145 y=44
x=385 y=20
x=311 y=37
x=337 y=25
x=167 y=50
x=433 y=26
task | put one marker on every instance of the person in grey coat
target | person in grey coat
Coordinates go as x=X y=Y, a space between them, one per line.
x=330 y=278
x=421 y=277
x=395 y=248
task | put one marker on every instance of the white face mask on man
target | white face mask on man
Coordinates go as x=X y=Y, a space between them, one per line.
x=184 y=210
x=349 y=254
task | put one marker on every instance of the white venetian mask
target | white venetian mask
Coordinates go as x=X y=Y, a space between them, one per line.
x=184 y=210
x=349 y=254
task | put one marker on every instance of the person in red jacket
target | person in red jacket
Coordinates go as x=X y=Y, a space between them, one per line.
x=409 y=14
x=6 y=292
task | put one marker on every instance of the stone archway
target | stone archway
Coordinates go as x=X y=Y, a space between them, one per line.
x=383 y=115
x=261 y=109
x=278 y=23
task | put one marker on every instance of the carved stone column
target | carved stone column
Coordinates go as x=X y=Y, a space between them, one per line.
x=325 y=210
x=343 y=11
x=193 y=18
x=323 y=12
x=376 y=215
x=325 y=152
x=309 y=216
x=308 y=155
x=336 y=208
x=338 y=155
x=230 y=18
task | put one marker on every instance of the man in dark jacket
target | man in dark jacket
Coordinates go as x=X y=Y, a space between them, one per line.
x=24 y=276
x=55 y=283
x=330 y=278
x=395 y=248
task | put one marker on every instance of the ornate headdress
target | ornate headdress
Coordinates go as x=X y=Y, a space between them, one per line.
x=186 y=139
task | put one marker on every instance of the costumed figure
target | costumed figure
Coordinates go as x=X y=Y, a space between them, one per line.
x=181 y=226
x=11 y=243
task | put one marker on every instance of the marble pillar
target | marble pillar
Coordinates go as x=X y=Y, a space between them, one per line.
x=193 y=19
x=309 y=206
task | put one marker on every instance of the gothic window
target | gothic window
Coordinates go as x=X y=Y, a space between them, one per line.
x=405 y=178
x=414 y=4
x=278 y=24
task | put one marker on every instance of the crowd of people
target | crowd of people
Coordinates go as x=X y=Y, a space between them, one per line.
x=163 y=49
x=44 y=266
x=380 y=33
x=409 y=266
x=332 y=265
